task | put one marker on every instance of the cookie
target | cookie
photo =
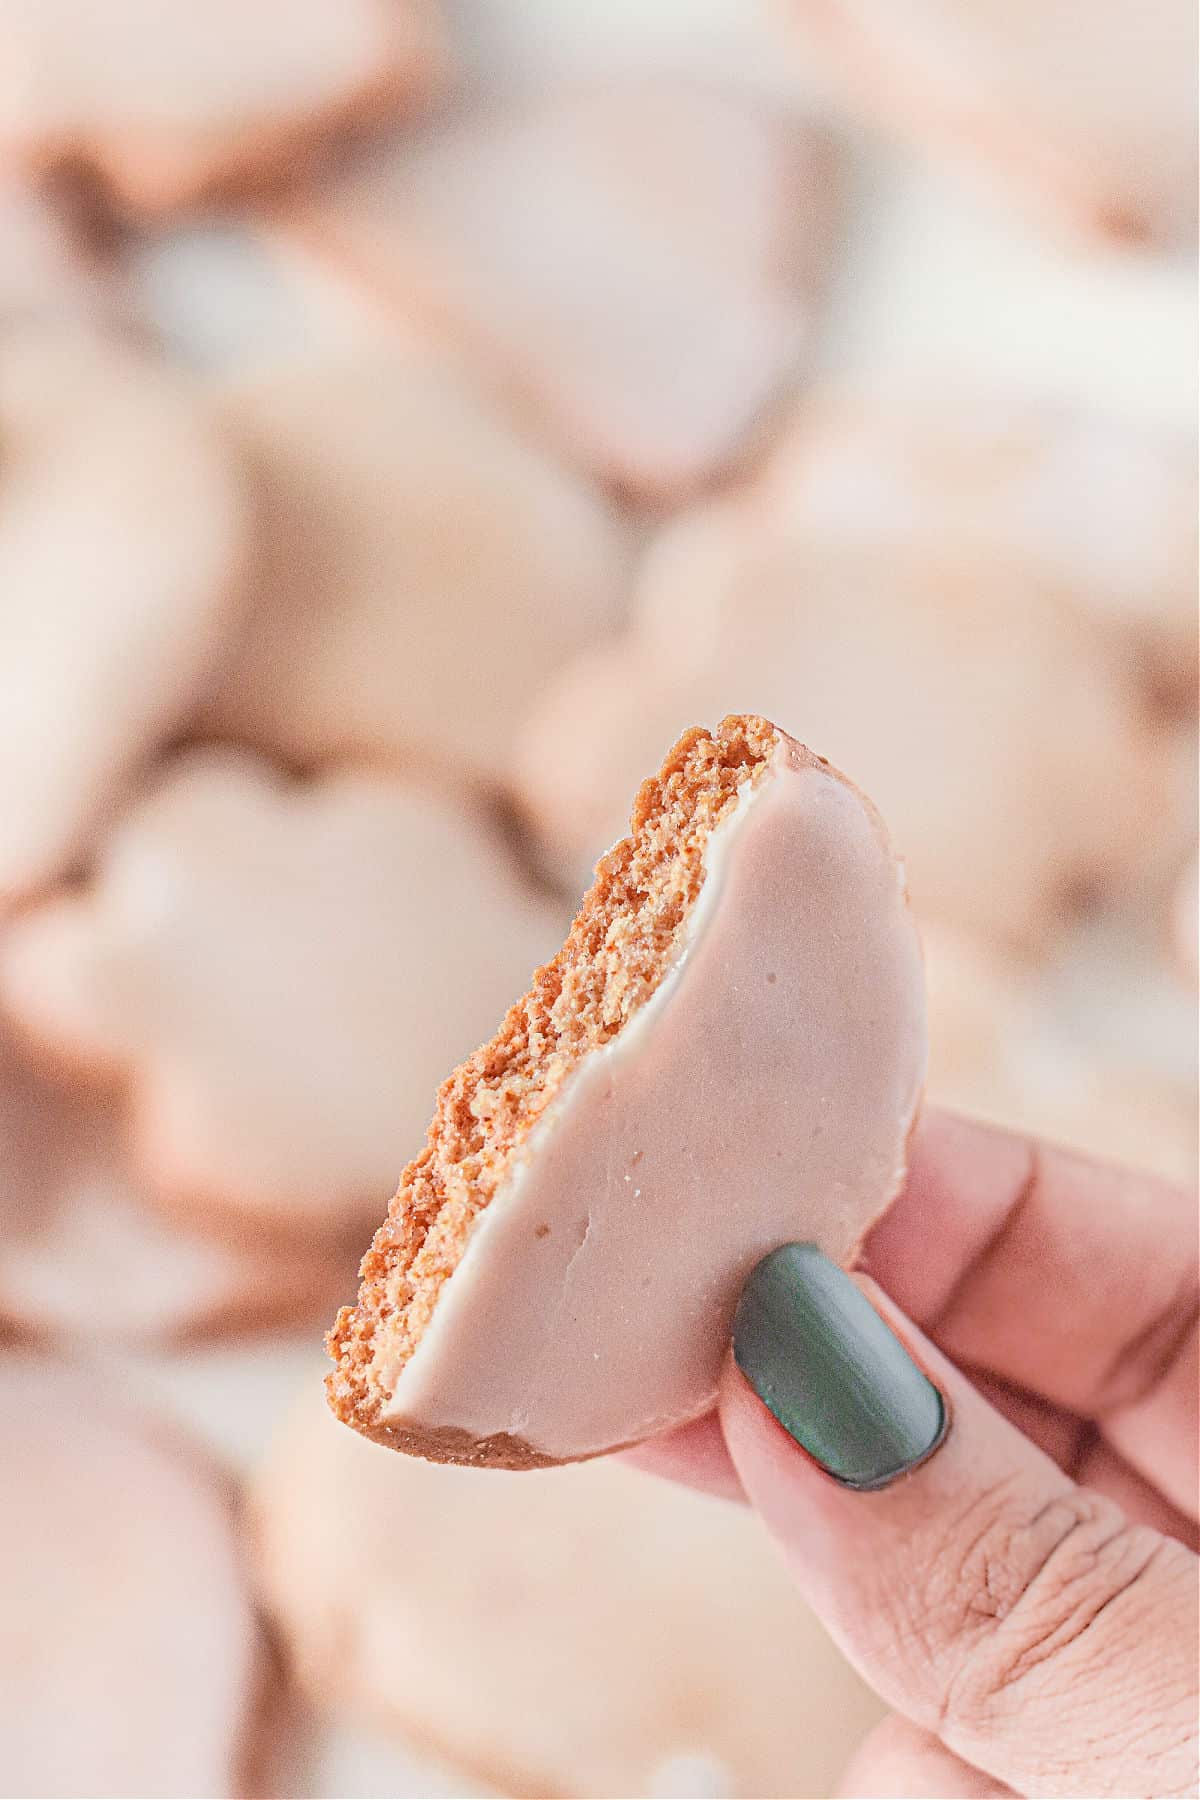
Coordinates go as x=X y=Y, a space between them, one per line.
x=420 y=567
x=121 y=540
x=1184 y=909
x=278 y=974
x=1099 y=509
x=336 y=1758
x=45 y=273
x=165 y=105
x=641 y=261
x=1086 y=113
x=219 y=294
x=712 y=1065
x=1004 y=1047
x=86 y=1258
x=583 y=1631
x=975 y=698
x=131 y=1660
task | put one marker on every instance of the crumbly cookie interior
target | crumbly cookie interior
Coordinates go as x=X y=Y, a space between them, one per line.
x=620 y=946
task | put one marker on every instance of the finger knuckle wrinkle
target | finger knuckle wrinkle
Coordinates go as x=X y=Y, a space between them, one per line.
x=1038 y=1582
x=1139 y=1364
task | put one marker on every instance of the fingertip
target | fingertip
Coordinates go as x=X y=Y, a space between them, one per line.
x=766 y=1460
x=695 y=1455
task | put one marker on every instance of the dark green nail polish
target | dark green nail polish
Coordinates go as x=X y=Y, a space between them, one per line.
x=836 y=1377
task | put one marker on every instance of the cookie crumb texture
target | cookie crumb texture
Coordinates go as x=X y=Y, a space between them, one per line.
x=619 y=948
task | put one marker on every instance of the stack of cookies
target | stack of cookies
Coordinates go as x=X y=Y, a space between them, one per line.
x=413 y=418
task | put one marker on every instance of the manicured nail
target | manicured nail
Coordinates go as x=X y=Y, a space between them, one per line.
x=836 y=1377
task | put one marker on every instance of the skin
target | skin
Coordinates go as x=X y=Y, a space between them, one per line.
x=1025 y=1600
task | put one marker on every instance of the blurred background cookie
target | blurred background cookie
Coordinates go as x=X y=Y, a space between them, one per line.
x=164 y=104
x=86 y=1257
x=1184 y=907
x=1098 y=509
x=122 y=533
x=217 y=293
x=48 y=271
x=640 y=262
x=549 y=1632
x=1087 y=112
x=251 y=948
x=410 y=416
x=421 y=566
x=1004 y=1046
x=972 y=703
x=114 y=1529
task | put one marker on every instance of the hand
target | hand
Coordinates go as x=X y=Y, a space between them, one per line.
x=1014 y=1571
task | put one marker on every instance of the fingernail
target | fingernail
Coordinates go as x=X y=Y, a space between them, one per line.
x=836 y=1377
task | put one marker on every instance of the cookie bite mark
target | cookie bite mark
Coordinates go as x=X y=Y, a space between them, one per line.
x=666 y=1110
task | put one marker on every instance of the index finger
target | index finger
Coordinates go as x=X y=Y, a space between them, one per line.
x=1072 y=1279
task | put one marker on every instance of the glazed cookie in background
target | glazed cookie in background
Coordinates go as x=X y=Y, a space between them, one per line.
x=85 y=1258
x=1185 y=919
x=164 y=104
x=98 y=1263
x=44 y=272
x=974 y=704
x=583 y=1631
x=218 y=294
x=420 y=567
x=279 y=974
x=713 y=1064
x=1003 y=1048
x=337 y=1757
x=122 y=534
x=1100 y=509
x=541 y=43
x=113 y=1532
x=641 y=262
x=1086 y=110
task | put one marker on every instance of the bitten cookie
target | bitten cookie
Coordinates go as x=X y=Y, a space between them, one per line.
x=131 y=1660
x=727 y=1053
x=167 y=103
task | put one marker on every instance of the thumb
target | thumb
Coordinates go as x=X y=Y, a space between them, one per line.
x=1019 y=1618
